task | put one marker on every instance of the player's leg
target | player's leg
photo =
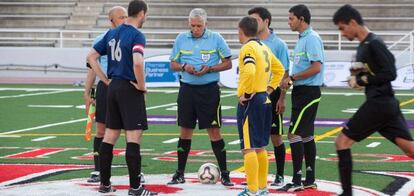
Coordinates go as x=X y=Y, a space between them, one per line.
x=343 y=149
x=186 y=118
x=276 y=133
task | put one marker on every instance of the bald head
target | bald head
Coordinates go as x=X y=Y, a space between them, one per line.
x=117 y=15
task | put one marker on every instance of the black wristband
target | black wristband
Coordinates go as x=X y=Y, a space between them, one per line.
x=183 y=66
x=291 y=78
x=246 y=95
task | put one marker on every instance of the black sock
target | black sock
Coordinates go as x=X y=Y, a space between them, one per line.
x=133 y=159
x=280 y=153
x=297 y=158
x=310 y=155
x=96 y=145
x=105 y=159
x=183 y=148
x=345 y=170
x=220 y=152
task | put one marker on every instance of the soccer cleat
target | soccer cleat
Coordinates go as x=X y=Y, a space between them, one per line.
x=106 y=189
x=278 y=181
x=290 y=187
x=246 y=192
x=262 y=192
x=225 y=178
x=178 y=178
x=140 y=191
x=307 y=185
x=94 y=177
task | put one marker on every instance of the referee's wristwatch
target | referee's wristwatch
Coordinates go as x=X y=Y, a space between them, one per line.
x=183 y=66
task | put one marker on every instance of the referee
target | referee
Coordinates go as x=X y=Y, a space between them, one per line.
x=196 y=55
x=307 y=77
x=124 y=47
x=380 y=111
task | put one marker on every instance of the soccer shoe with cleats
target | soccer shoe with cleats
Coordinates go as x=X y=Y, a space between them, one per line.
x=178 y=178
x=140 y=191
x=278 y=181
x=106 y=189
x=290 y=187
x=94 y=177
x=225 y=178
x=262 y=192
x=308 y=185
x=246 y=192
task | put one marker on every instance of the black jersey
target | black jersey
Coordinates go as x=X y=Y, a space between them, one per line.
x=381 y=66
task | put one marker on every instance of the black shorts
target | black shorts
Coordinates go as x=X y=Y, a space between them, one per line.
x=305 y=101
x=126 y=107
x=199 y=102
x=277 y=119
x=101 y=94
x=379 y=114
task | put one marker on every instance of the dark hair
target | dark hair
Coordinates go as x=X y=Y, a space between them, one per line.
x=249 y=26
x=346 y=13
x=136 y=6
x=301 y=11
x=262 y=12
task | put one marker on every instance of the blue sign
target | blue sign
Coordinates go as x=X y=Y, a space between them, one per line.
x=159 y=71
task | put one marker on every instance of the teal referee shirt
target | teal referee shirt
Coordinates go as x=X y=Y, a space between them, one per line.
x=208 y=50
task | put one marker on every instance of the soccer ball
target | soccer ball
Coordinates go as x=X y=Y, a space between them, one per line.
x=208 y=173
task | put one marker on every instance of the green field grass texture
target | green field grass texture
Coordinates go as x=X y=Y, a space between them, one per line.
x=17 y=115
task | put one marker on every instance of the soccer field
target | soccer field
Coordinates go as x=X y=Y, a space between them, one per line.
x=44 y=125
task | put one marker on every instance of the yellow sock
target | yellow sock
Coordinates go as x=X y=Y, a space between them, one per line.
x=251 y=167
x=263 y=168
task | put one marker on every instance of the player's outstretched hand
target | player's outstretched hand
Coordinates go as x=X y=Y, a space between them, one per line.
x=243 y=99
x=352 y=82
x=356 y=68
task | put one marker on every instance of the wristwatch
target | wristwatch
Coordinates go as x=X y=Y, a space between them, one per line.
x=291 y=78
x=183 y=66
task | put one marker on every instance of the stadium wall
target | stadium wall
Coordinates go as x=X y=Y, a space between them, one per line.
x=67 y=65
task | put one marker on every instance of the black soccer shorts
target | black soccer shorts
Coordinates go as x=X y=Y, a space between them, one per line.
x=379 y=114
x=277 y=119
x=305 y=101
x=126 y=107
x=199 y=102
x=101 y=94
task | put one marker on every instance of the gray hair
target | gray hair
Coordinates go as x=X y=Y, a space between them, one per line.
x=198 y=12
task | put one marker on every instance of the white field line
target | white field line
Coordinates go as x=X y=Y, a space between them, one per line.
x=44 y=126
x=34 y=94
x=373 y=144
x=173 y=140
x=234 y=142
x=43 y=138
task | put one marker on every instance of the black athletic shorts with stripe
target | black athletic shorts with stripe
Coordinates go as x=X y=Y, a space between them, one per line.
x=126 y=107
x=277 y=119
x=199 y=102
x=305 y=101
x=380 y=114
x=101 y=94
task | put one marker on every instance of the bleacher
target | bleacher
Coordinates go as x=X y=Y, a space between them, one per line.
x=71 y=18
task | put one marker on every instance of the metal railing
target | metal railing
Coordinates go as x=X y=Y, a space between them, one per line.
x=65 y=37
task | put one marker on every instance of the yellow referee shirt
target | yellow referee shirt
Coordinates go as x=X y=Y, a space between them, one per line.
x=257 y=64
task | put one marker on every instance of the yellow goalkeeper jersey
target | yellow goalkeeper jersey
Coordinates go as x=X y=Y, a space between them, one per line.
x=257 y=64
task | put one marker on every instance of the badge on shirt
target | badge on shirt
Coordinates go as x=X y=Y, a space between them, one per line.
x=205 y=57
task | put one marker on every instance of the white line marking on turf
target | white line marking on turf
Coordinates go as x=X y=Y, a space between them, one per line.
x=234 y=142
x=43 y=138
x=33 y=94
x=49 y=106
x=373 y=144
x=14 y=136
x=44 y=126
x=173 y=140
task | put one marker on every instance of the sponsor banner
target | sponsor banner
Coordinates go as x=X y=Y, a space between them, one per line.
x=158 y=72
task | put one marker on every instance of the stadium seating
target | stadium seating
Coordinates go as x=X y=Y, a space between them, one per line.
x=168 y=17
